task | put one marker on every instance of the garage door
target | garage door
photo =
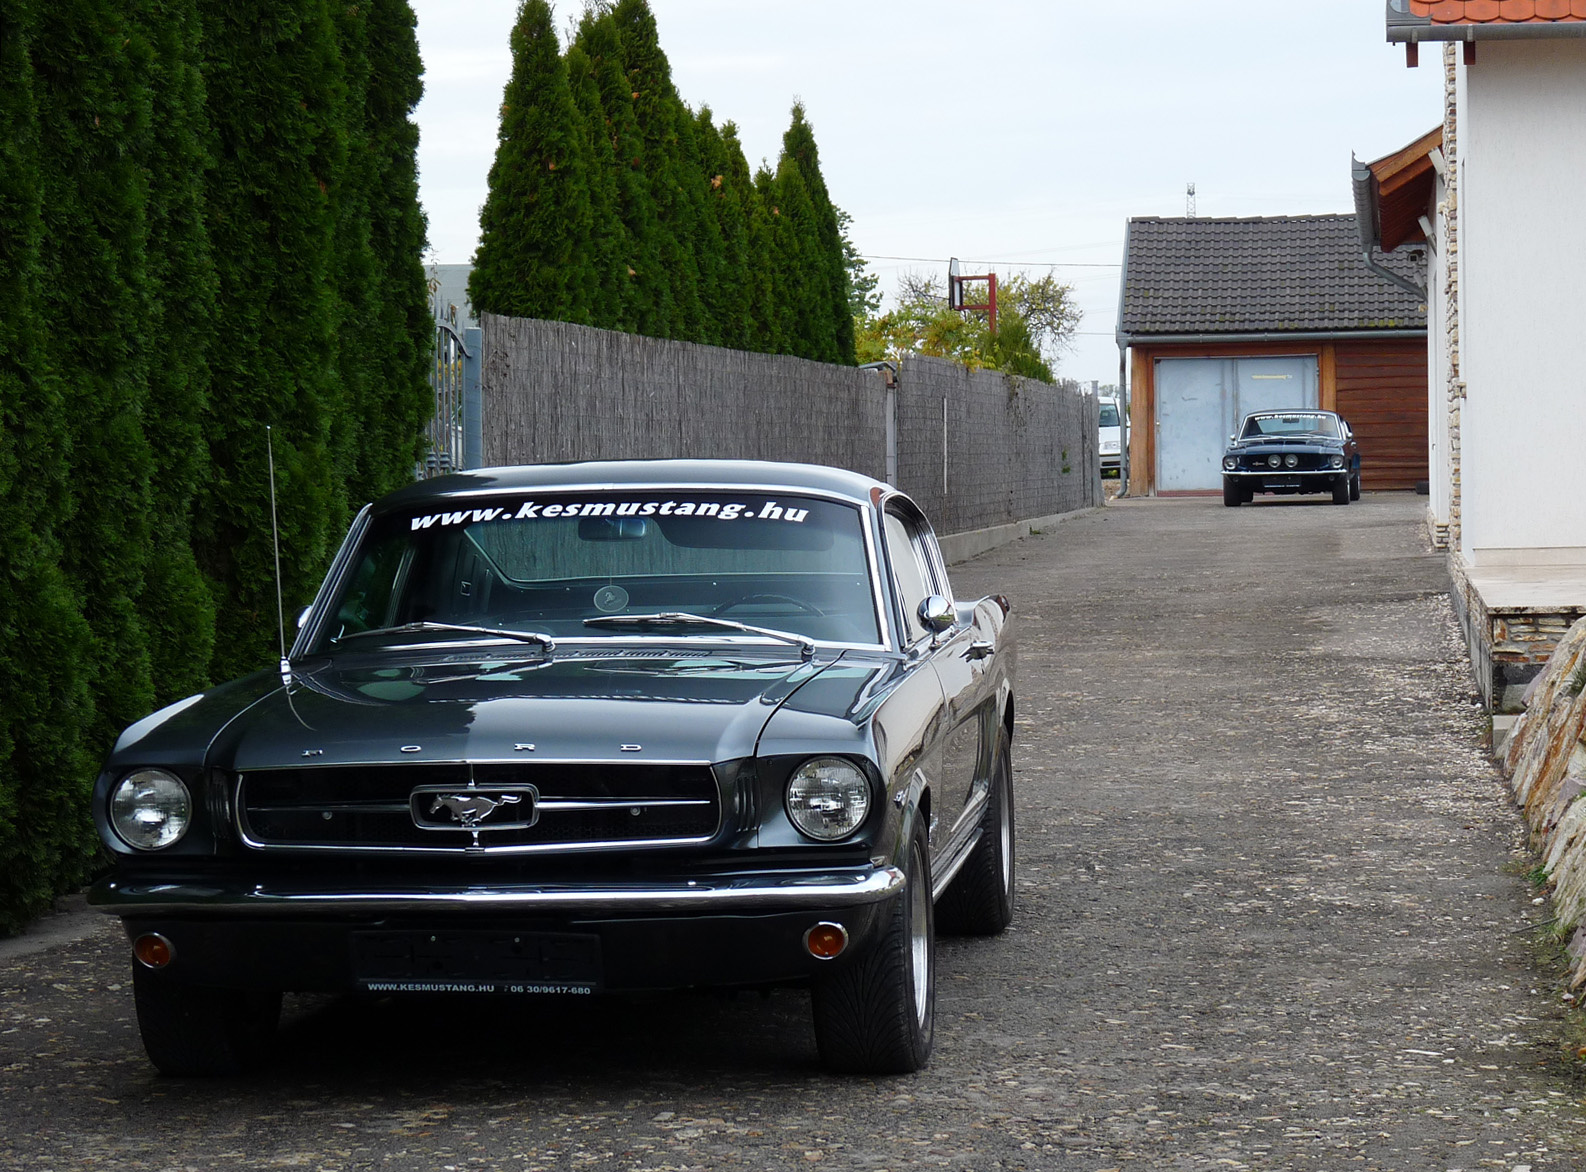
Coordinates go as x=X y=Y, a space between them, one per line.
x=1199 y=402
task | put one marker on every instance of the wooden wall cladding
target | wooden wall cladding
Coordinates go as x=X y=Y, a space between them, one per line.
x=1382 y=392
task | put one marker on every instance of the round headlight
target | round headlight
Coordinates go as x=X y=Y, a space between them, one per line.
x=1274 y=460
x=1338 y=461
x=150 y=809
x=1230 y=463
x=1291 y=460
x=828 y=798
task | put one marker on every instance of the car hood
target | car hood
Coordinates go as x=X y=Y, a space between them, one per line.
x=616 y=705
x=1287 y=443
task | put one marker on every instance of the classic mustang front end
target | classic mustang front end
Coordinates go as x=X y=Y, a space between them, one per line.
x=1286 y=452
x=563 y=731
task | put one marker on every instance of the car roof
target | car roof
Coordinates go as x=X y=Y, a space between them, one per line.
x=1291 y=411
x=609 y=474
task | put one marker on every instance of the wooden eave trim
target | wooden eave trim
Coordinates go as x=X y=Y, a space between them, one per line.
x=1412 y=157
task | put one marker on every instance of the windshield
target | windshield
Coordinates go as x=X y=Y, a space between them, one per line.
x=546 y=563
x=1292 y=423
x=1109 y=415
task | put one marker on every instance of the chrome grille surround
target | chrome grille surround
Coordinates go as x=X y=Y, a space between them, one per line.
x=579 y=806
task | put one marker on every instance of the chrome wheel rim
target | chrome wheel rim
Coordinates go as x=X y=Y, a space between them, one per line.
x=1005 y=833
x=919 y=946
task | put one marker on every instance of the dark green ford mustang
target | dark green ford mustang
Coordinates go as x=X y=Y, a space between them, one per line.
x=559 y=731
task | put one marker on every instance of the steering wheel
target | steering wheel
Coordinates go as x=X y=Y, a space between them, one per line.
x=745 y=599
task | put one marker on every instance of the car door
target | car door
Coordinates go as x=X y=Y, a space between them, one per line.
x=962 y=659
x=913 y=580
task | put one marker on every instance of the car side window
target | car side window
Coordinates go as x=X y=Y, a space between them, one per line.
x=910 y=573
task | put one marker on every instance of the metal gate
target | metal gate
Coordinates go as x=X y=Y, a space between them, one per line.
x=455 y=434
x=1200 y=402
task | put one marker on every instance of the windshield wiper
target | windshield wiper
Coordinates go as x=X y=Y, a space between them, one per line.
x=543 y=640
x=678 y=618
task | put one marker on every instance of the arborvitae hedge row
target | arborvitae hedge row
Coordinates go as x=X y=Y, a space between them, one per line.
x=706 y=250
x=208 y=224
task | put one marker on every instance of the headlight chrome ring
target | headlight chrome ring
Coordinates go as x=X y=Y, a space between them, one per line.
x=150 y=809
x=828 y=798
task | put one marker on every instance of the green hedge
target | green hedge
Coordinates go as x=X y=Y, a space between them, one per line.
x=209 y=224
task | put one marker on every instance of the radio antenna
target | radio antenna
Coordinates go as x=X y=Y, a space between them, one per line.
x=275 y=541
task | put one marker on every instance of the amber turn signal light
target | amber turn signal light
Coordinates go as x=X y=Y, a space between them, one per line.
x=153 y=950
x=826 y=941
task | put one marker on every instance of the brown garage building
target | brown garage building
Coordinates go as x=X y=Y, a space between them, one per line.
x=1224 y=316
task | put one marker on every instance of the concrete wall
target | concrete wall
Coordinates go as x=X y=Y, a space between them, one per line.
x=986 y=455
x=1522 y=176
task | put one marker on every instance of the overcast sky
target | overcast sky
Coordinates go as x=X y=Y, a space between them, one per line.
x=1023 y=131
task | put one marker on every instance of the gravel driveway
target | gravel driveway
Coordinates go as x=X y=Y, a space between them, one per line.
x=1273 y=915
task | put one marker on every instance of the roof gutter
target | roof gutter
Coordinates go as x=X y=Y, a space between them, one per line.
x=1527 y=31
x=1311 y=336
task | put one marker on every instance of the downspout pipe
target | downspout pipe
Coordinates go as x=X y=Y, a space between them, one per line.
x=1368 y=221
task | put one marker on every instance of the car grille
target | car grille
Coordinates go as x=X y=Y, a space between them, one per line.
x=1306 y=462
x=575 y=807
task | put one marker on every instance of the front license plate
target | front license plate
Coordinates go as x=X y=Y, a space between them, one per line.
x=523 y=963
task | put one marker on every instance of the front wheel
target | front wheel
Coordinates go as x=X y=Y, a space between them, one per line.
x=1232 y=494
x=198 y=1030
x=979 y=900
x=1354 y=487
x=877 y=1015
x=1341 y=491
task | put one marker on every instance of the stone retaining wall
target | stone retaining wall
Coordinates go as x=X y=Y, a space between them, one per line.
x=1546 y=762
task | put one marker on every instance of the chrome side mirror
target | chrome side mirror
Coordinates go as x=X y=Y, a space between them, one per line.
x=938 y=614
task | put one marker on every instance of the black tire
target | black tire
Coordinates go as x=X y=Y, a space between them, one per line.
x=979 y=900
x=199 y=1031
x=877 y=1014
x=1354 y=487
x=1232 y=495
x=1341 y=491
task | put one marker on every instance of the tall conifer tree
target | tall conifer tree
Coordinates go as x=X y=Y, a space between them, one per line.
x=358 y=293
x=608 y=245
x=727 y=182
x=670 y=162
x=176 y=602
x=91 y=61
x=781 y=283
x=276 y=105
x=828 y=289
x=535 y=228
x=44 y=698
x=404 y=333
x=647 y=295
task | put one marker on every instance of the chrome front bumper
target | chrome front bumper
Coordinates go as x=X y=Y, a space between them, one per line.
x=757 y=892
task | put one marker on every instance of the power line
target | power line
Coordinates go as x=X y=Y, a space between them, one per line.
x=1036 y=264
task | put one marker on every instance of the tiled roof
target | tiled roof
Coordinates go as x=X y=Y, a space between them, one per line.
x=1497 y=11
x=1479 y=20
x=1277 y=275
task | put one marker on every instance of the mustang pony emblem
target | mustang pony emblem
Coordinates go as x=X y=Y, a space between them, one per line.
x=471 y=809
x=444 y=807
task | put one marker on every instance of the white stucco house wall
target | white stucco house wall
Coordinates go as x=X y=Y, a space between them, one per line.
x=1507 y=304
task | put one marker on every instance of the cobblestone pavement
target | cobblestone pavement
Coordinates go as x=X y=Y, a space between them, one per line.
x=1273 y=915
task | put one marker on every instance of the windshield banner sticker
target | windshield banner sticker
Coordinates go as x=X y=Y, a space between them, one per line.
x=536 y=511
